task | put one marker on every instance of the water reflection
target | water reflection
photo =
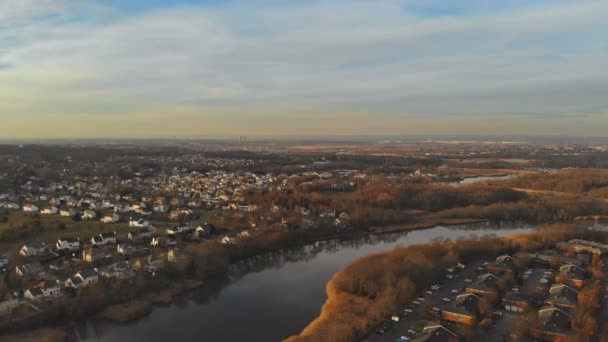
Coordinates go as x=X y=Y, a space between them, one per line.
x=472 y=180
x=270 y=296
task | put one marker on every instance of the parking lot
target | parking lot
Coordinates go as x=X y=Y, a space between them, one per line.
x=414 y=321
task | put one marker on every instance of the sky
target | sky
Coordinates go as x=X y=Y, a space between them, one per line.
x=186 y=68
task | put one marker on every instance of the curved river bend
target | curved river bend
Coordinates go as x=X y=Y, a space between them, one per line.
x=270 y=297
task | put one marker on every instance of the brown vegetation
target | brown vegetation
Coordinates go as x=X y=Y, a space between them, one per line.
x=38 y=335
x=127 y=312
x=576 y=181
x=372 y=288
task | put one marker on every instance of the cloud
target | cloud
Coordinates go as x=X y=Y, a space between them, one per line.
x=306 y=60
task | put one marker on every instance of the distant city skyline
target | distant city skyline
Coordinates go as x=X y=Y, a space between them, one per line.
x=185 y=68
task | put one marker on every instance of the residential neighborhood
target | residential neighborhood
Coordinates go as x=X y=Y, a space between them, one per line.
x=522 y=297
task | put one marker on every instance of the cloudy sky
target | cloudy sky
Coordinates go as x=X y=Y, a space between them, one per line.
x=161 y=68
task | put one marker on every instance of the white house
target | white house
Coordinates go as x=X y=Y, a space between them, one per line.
x=141 y=223
x=32 y=270
x=34 y=250
x=125 y=249
x=149 y=264
x=43 y=291
x=69 y=212
x=104 y=239
x=30 y=208
x=11 y=205
x=120 y=270
x=111 y=219
x=68 y=244
x=178 y=230
x=50 y=211
x=82 y=278
x=95 y=254
x=227 y=240
x=162 y=241
x=89 y=214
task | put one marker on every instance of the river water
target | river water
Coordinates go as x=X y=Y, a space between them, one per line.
x=472 y=180
x=270 y=297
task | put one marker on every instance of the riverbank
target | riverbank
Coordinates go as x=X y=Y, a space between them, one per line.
x=361 y=295
x=122 y=313
x=430 y=223
x=165 y=296
x=38 y=335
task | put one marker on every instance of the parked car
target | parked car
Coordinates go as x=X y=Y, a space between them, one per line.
x=429 y=292
x=447 y=300
x=416 y=302
x=403 y=339
x=468 y=280
x=449 y=276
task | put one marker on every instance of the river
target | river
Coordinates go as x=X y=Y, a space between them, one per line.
x=471 y=180
x=269 y=297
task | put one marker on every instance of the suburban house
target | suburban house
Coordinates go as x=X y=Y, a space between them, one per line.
x=178 y=230
x=174 y=255
x=573 y=274
x=119 y=270
x=149 y=264
x=435 y=332
x=11 y=205
x=141 y=223
x=553 y=325
x=68 y=212
x=110 y=218
x=562 y=296
x=95 y=254
x=67 y=244
x=3 y=261
x=486 y=283
x=89 y=214
x=43 y=290
x=82 y=278
x=504 y=264
x=515 y=302
x=464 y=309
x=31 y=270
x=582 y=246
x=201 y=232
x=30 y=208
x=227 y=240
x=104 y=239
x=162 y=241
x=50 y=210
x=35 y=250
x=128 y=249
x=124 y=249
x=144 y=233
